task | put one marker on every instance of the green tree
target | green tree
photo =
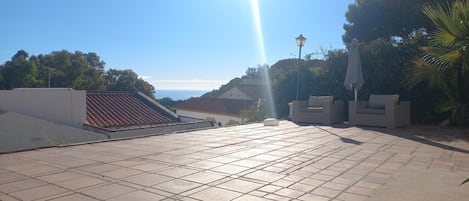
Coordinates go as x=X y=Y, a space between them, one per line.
x=445 y=63
x=368 y=20
x=76 y=70
x=19 y=72
x=283 y=79
x=127 y=80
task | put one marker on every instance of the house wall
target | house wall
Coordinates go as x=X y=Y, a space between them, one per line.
x=59 y=105
x=235 y=93
x=223 y=119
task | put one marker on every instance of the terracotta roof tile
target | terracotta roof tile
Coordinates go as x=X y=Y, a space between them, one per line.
x=216 y=105
x=119 y=109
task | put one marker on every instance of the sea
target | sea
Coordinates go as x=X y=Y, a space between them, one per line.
x=179 y=94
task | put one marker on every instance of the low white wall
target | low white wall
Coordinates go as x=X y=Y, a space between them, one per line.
x=224 y=119
x=59 y=105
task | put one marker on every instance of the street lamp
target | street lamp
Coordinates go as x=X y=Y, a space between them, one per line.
x=300 y=41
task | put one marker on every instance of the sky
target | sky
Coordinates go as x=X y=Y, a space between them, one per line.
x=174 y=44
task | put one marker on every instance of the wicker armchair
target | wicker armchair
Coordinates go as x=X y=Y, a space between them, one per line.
x=380 y=110
x=318 y=109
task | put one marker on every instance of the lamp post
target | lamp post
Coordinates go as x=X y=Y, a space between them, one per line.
x=49 y=75
x=300 y=41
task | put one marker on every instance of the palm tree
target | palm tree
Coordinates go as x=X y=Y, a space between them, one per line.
x=445 y=63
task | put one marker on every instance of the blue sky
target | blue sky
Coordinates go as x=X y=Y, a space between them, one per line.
x=173 y=44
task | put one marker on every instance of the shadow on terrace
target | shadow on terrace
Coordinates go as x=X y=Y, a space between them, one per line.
x=429 y=135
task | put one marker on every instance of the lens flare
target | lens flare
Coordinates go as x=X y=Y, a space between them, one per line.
x=258 y=25
x=260 y=43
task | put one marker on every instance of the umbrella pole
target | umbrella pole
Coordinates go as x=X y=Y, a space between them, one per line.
x=355 y=90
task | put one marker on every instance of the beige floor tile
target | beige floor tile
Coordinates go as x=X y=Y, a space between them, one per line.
x=4 y=197
x=326 y=192
x=335 y=186
x=250 y=198
x=11 y=161
x=21 y=185
x=147 y=179
x=177 y=186
x=266 y=157
x=286 y=192
x=217 y=194
x=58 y=177
x=240 y=185
x=360 y=191
x=352 y=197
x=74 y=197
x=277 y=197
x=302 y=187
x=312 y=197
x=270 y=188
x=204 y=164
x=41 y=170
x=80 y=182
x=265 y=176
x=8 y=177
x=223 y=159
x=108 y=191
x=39 y=192
x=243 y=162
x=21 y=165
x=130 y=162
x=149 y=166
x=230 y=169
x=138 y=195
x=121 y=173
x=177 y=172
x=172 y=159
x=248 y=163
x=204 y=177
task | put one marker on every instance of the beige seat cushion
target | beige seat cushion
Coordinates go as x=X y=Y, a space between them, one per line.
x=318 y=101
x=379 y=101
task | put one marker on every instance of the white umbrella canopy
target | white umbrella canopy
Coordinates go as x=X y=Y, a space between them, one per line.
x=354 y=76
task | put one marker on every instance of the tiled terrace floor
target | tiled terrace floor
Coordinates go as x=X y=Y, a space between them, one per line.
x=249 y=162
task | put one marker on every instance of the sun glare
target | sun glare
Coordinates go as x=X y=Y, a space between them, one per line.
x=260 y=43
x=258 y=26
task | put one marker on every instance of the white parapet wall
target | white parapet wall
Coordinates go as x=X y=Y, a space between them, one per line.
x=223 y=119
x=59 y=105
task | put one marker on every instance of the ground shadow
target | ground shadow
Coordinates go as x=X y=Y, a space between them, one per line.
x=343 y=139
x=429 y=135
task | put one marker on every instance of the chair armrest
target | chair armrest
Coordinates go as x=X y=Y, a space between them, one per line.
x=338 y=111
x=297 y=105
x=403 y=113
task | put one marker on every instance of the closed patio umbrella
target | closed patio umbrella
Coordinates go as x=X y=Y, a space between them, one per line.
x=354 y=76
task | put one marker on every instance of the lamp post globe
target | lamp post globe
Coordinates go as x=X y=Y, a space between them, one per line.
x=300 y=40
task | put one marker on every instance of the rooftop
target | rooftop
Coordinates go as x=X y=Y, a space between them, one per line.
x=247 y=162
x=122 y=109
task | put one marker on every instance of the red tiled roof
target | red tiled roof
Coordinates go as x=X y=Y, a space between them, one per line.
x=119 y=109
x=216 y=105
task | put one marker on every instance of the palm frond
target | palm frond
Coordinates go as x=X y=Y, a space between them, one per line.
x=425 y=71
x=465 y=181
